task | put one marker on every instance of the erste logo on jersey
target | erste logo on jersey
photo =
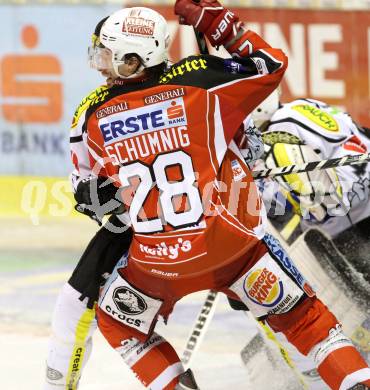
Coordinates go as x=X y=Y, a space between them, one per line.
x=319 y=117
x=263 y=287
x=143 y=120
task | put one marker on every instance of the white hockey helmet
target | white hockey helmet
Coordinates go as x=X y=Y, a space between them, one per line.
x=266 y=109
x=136 y=30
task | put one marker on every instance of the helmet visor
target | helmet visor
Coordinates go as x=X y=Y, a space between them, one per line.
x=99 y=58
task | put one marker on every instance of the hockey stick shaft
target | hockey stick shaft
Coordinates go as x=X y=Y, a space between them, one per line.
x=313 y=165
x=209 y=306
x=199 y=329
x=201 y=40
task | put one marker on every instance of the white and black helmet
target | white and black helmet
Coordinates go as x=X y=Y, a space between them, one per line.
x=138 y=30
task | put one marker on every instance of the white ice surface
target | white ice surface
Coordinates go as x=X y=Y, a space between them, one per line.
x=217 y=365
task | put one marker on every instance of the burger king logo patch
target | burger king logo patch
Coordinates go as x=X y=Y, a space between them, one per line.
x=263 y=287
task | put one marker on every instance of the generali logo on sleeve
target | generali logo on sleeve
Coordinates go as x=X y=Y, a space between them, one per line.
x=139 y=26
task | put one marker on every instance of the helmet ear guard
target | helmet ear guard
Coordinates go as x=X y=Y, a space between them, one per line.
x=116 y=63
x=137 y=31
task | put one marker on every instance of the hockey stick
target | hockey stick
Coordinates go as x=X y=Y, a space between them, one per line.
x=313 y=165
x=209 y=306
x=201 y=40
x=200 y=326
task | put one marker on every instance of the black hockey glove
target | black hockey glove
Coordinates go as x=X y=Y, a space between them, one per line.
x=96 y=197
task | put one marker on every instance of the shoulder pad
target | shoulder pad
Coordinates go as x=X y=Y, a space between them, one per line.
x=313 y=102
x=321 y=118
x=93 y=97
x=326 y=122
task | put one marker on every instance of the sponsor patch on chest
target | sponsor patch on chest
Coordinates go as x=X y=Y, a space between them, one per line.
x=129 y=123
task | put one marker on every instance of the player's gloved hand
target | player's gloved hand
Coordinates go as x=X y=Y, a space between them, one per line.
x=249 y=141
x=96 y=197
x=208 y=17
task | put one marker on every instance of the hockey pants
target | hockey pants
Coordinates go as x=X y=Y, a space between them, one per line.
x=274 y=290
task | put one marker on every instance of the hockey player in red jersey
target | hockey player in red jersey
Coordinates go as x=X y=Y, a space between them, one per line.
x=166 y=139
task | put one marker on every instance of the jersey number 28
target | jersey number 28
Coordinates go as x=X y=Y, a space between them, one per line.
x=155 y=176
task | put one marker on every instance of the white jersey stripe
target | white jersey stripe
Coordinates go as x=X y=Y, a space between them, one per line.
x=219 y=141
x=208 y=136
x=167 y=235
x=96 y=157
x=166 y=376
x=248 y=231
x=355 y=378
x=230 y=223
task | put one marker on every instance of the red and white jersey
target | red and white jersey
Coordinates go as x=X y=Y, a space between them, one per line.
x=168 y=143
